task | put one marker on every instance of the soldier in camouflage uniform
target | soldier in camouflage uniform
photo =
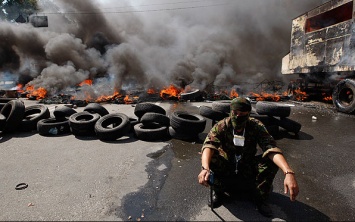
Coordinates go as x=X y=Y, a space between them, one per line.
x=229 y=151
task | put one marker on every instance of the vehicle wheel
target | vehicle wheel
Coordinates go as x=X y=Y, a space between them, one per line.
x=150 y=132
x=155 y=118
x=272 y=109
x=32 y=115
x=14 y=112
x=185 y=122
x=209 y=113
x=96 y=108
x=142 y=108
x=112 y=126
x=83 y=123
x=63 y=112
x=343 y=96
x=223 y=106
x=52 y=126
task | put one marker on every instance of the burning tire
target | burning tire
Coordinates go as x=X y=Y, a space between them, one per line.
x=209 y=113
x=14 y=112
x=32 y=115
x=83 y=123
x=343 y=96
x=222 y=106
x=185 y=122
x=96 y=108
x=151 y=132
x=196 y=94
x=155 y=118
x=52 y=126
x=112 y=126
x=142 y=108
x=63 y=112
x=272 y=109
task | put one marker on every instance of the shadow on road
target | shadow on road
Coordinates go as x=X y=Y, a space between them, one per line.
x=281 y=205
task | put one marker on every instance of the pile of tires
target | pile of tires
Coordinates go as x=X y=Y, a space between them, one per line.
x=275 y=115
x=152 y=124
x=186 y=126
x=272 y=114
x=58 y=125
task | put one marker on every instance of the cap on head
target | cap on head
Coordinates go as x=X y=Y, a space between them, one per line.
x=241 y=104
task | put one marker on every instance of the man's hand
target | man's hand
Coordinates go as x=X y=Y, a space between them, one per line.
x=203 y=177
x=291 y=186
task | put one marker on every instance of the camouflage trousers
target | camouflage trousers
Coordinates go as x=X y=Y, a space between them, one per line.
x=256 y=176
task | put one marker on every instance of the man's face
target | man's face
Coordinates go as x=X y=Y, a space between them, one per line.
x=239 y=119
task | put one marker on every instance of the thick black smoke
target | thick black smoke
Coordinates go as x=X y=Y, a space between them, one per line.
x=197 y=44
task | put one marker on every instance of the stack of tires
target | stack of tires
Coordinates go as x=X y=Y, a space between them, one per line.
x=152 y=124
x=272 y=114
x=186 y=126
x=275 y=115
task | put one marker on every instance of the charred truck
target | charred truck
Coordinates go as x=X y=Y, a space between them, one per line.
x=322 y=52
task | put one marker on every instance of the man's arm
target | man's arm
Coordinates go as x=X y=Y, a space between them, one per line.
x=290 y=183
x=205 y=161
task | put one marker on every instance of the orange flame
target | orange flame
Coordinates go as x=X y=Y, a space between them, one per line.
x=169 y=92
x=108 y=98
x=326 y=97
x=233 y=94
x=299 y=95
x=19 y=88
x=151 y=91
x=266 y=96
x=39 y=93
x=86 y=82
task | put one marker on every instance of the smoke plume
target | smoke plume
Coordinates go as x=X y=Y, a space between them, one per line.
x=131 y=45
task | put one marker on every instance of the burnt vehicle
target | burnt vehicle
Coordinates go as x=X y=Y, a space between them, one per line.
x=322 y=52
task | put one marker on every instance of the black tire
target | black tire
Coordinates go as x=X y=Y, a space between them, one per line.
x=96 y=108
x=272 y=109
x=83 y=123
x=155 y=118
x=151 y=132
x=343 y=96
x=112 y=126
x=32 y=115
x=182 y=136
x=273 y=130
x=265 y=119
x=52 y=127
x=185 y=122
x=223 y=106
x=63 y=112
x=209 y=113
x=142 y=108
x=2 y=105
x=191 y=95
x=14 y=112
x=2 y=122
x=133 y=122
x=289 y=125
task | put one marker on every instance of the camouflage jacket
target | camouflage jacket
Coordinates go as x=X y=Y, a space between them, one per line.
x=221 y=136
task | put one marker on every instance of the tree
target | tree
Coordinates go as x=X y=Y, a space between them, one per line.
x=10 y=10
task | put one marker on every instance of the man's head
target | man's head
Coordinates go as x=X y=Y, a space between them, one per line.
x=240 y=111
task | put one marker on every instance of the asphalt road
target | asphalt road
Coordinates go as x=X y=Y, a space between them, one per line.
x=83 y=178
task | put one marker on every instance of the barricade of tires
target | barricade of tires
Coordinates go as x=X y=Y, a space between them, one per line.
x=272 y=114
x=151 y=124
